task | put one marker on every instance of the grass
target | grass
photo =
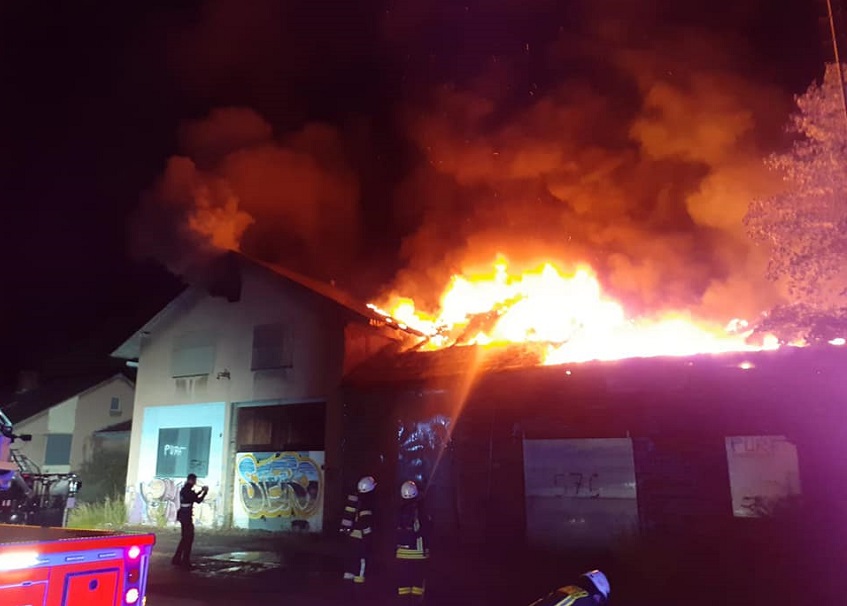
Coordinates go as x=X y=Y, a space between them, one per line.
x=108 y=513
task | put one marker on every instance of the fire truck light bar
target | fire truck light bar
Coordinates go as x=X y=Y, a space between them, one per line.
x=134 y=552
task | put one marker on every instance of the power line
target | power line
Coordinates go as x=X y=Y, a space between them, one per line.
x=838 y=65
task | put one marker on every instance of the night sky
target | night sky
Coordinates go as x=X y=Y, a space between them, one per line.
x=96 y=97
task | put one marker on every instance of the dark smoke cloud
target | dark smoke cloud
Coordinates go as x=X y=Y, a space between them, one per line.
x=642 y=166
x=236 y=187
x=607 y=132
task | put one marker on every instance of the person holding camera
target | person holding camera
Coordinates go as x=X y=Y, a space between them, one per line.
x=185 y=516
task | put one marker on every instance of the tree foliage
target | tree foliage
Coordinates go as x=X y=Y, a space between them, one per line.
x=805 y=223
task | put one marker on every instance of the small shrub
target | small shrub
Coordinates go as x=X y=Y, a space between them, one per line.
x=109 y=513
x=103 y=475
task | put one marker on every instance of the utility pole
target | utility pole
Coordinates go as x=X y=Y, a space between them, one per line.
x=837 y=57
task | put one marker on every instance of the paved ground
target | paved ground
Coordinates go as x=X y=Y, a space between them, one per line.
x=233 y=569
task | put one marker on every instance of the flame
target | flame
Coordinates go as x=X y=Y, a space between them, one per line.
x=565 y=312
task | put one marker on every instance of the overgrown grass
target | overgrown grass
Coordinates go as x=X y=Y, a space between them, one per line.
x=108 y=513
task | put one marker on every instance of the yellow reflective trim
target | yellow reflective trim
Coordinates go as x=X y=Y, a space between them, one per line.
x=417 y=590
x=350 y=509
x=404 y=591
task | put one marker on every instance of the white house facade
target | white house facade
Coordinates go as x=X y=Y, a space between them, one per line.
x=238 y=382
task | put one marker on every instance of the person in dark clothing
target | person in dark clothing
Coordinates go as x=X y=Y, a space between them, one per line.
x=412 y=551
x=357 y=526
x=185 y=516
x=592 y=589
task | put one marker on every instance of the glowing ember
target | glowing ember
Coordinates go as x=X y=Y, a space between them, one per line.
x=566 y=313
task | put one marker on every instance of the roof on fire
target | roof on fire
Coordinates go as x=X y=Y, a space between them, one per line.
x=221 y=277
x=470 y=363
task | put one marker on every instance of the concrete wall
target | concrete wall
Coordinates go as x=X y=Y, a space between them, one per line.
x=318 y=350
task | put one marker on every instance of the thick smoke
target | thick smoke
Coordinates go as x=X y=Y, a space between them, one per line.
x=632 y=143
x=643 y=168
x=236 y=187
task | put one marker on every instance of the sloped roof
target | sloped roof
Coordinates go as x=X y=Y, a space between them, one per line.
x=130 y=348
x=20 y=407
x=122 y=427
x=417 y=367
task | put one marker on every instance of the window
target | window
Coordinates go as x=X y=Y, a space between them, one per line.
x=183 y=451
x=115 y=406
x=271 y=347
x=764 y=475
x=193 y=354
x=58 y=451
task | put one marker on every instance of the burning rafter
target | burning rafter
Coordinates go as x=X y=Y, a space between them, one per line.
x=566 y=314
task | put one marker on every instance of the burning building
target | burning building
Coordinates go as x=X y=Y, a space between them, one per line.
x=533 y=408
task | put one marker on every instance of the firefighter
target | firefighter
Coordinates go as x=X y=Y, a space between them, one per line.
x=412 y=551
x=185 y=516
x=592 y=589
x=356 y=525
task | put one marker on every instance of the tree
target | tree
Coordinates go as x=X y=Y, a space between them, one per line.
x=805 y=225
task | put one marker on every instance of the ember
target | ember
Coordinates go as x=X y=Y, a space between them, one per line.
x=566 y=313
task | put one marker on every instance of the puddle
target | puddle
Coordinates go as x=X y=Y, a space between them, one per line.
x=238 y=563
x=263 y=558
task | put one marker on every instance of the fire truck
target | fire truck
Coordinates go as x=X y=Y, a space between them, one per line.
x=65 y=567
x=44 y=564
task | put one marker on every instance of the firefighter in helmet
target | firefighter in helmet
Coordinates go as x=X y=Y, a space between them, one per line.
x=356 y=525
x=592 y=589
x=412 y=550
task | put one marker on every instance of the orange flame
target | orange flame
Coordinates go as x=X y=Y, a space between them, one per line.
x=567 y=313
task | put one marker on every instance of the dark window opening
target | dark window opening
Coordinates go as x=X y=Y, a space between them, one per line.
x=271 y=347
x=58 y=451
x=183 y=451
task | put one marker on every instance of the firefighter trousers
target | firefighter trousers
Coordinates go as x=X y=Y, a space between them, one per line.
x=411 y=577
x=355 y=564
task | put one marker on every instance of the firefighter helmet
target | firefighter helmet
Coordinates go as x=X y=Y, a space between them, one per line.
x=599 y=580
x=366 y=484
x=409 y=490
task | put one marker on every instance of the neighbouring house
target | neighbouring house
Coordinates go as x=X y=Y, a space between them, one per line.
x=582 y=454
x=65 y=414
x=239 y=383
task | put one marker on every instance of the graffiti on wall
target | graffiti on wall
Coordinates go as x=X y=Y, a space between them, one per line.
x=280 y=484
x=764 y=475
x=156 y=502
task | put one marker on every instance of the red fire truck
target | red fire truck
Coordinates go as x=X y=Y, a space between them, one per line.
x=42 y=565
x=64 y=567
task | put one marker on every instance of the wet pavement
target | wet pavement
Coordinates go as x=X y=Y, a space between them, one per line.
x=231 y=570
x=240 y=569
